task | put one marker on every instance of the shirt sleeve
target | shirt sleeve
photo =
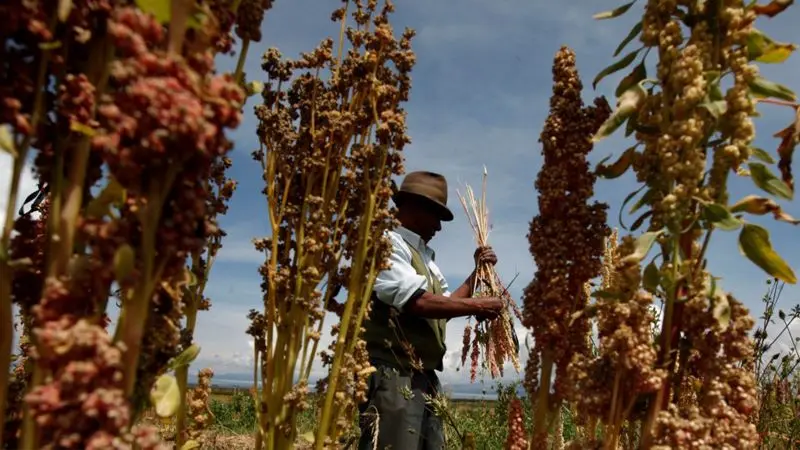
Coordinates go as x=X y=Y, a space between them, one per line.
x=442 y=281
x=397 y=284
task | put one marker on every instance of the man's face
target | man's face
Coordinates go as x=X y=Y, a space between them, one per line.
x=427 y=221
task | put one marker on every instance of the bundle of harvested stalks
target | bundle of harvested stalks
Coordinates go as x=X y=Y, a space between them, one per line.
x=497 y=337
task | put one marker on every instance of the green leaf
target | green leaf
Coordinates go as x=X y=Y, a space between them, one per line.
x=64 y=8
x=631 y=36
x=642 y=247
x=112 y=193
x=124 y=261
x=166 y=396
x=627 y=105
x=714 y=101
x=762 y=155
x=651 y=277
x=778 y=53
x=712 y=81
x=763 y=49
x=82 y=128
x=186 y=357
x=628 y=198
x=619 y=167
x=720 y=306
x=161 y=9
x=195 y=21
x=755 y=244
x=715 y=108
x=767 y=181
x=646 y=199
x=719 y=216
x=616 y=12
x=7 y=141
x=48 y=46
x=638 y=74
x=192 y=278
x=638 y=222
x=191 y=444
x=761 y=87
x=606 y=295
x=631 y=125
x=20 y=263
x=254 y=88
x=619 y=65
x=308 y=437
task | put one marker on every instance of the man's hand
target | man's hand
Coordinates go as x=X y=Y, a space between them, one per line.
x=490 y=308
x=484 y=255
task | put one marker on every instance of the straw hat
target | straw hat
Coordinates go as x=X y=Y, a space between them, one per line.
x=429 y=186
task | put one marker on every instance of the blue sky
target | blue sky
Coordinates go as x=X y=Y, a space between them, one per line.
x=479 y=97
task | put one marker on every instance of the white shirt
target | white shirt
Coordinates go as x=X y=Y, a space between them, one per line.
x=396 y=284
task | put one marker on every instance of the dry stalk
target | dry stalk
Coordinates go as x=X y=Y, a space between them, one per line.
x=497 y=337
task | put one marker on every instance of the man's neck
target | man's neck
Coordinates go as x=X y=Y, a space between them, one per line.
x=413 y=238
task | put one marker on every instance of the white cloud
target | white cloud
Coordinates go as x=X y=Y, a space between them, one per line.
x=480 y=97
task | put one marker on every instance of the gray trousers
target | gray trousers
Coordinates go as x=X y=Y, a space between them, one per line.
x=397 y=410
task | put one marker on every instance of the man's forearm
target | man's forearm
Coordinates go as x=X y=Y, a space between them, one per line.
x=465 y=290
x=432 y=306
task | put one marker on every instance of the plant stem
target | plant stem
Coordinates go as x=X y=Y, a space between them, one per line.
x=542 y=399
x=181 y=376
x=133 y=316
x=191 y=298
x=6 y=277
x=666 y=343
x=611 y=429
x=240 y=63
x=352 y=291
x=29 y=437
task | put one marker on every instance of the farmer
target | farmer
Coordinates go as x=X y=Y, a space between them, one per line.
x=405 y=334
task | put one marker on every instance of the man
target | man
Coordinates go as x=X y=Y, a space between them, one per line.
x=405 y=334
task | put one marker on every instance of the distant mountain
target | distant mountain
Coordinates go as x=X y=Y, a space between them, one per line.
x=459 y=390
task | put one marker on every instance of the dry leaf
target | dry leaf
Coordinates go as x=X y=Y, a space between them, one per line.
x=773 y=8
x=789 y=137
x=759 y=206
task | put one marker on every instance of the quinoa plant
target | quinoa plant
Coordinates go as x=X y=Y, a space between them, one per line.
x=330 y=140
x=118 y=106
x=566 y=240
x=694 y=383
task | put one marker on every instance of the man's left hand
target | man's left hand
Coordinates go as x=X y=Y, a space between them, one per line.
x=485 y=255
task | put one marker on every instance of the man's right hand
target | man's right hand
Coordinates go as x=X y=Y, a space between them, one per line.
x=490 y=308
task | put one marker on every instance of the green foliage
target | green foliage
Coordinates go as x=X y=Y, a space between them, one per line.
x=777 y=373
x=485 y=419
x=166 y=396
x=235 y=414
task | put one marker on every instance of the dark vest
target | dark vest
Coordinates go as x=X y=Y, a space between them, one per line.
x=386 y=326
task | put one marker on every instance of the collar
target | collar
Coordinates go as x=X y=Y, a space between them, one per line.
x=414 y=239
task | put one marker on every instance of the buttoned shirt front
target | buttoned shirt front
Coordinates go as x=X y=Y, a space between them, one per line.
x=397 y=284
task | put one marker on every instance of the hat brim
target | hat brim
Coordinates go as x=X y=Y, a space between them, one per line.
x=445 y=215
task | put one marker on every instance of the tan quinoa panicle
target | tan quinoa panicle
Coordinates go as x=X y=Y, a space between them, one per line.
x=568 y=235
